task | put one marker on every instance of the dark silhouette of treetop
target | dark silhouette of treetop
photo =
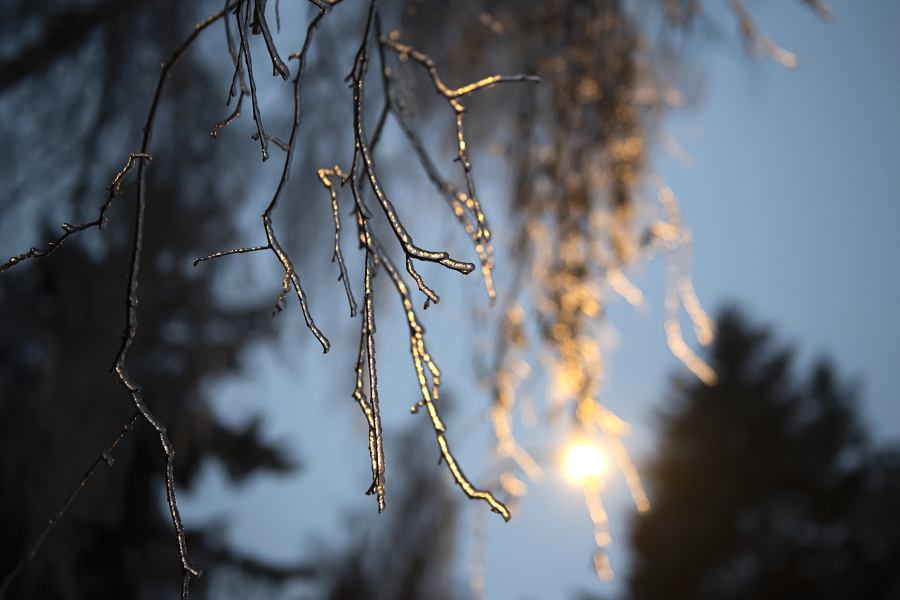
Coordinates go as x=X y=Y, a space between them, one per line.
x=765 y=486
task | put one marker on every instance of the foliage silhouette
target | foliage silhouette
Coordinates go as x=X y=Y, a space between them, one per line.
x=766 y=487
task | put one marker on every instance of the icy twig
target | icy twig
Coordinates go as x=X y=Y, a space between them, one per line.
x=425 y=368
x=132 y=302
x=243 y=30
x=291 y=278
x=479 y=230
x=363 y=153
x=115 y=190
x=324 y=176
x=105 y=456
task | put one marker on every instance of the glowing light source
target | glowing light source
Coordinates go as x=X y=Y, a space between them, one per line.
x=582 y=461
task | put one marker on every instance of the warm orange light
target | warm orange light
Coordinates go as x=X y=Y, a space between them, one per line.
x=582 y=461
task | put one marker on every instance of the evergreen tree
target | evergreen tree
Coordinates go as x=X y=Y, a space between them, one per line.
x=766 y=487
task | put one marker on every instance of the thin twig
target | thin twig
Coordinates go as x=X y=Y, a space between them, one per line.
x=479 y=231
x=277 y=64
x=232 y=116
x=377 y=433
x=324 y=177
x=278 y=142
x=421 y=360
x=197 y=261
x=105 y=456
x=291 y=278
x=363 y=153
x=132 y=301
x=371 y=408
x=325 y=5
x=245 y=46
x=115 y=190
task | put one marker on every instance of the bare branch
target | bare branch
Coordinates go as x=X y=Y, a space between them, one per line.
x=281 y=144
x=429 y=293
x=245 y=47
x=278 y=65
x=408 y=51
x=325 y=5
x=406 y=241
x=105 y=456
x=230 y=118
x=479 y=230
x=422 y=360
x=290 y=274
x=377 y=433
x=371 y=409
x=115 y=190
x=131 y=305
x=197 y=261
x=323 y=176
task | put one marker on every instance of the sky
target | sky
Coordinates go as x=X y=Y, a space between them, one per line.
x=792 y=199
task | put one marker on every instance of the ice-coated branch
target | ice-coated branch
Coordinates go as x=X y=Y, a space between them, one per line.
x=243 y=31
x=465 y=208
x=115 y=190
x=425 y=368
x=452 y=97
x=377 y=433
x=460 y=202
x=291 y=278
x=278 y=142
x=260 y=20
x=324 y=5
x=229 y=118
x=324 y=176
x=366 y=360
x=364 y=155
x=237 y=80
x=365 y=405
x=140 y=160
x=132 y=301
x=105 y=456
x=197 y=261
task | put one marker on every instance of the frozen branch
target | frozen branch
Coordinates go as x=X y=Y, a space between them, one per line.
x=425 y=368
x=328 y=183
x=366 y=359
x=461 y=203
x=260 y=21
x=245 y=50
x=131 y=308
x=105 y=456
x=363 y=153
x=291 y=278
x=115 y=190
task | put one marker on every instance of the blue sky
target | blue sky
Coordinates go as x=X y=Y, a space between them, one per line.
x=793 y=202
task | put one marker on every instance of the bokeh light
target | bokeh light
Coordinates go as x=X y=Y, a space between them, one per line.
x=582 y=461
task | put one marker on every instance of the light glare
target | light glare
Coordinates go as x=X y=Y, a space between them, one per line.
x=584 y=460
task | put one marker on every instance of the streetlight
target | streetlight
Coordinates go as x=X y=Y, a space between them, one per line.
x=582 y=461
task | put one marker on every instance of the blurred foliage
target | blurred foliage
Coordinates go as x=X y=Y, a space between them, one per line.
x=766 y=486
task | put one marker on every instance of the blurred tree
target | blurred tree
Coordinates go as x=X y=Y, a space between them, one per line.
x=764 y=487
